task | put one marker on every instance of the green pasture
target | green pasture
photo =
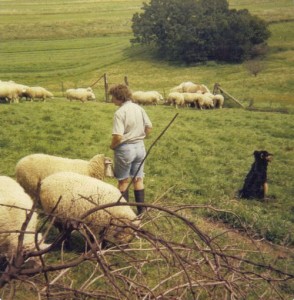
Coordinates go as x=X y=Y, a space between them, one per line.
x=271 y=11
x=201 y=160
x=203 y=157
x=64 y=44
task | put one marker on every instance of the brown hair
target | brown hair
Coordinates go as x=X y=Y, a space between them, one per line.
x=120 y=92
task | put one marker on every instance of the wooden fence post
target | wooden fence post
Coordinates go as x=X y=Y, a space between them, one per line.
x=215 y=88
x=218 y=87
x=106 y=88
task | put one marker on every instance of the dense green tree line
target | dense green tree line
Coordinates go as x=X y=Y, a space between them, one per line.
x=199 y=30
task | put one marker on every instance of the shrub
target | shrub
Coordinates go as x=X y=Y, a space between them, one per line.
x=198 y=31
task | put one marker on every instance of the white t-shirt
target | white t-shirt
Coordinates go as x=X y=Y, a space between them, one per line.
x=130 y=121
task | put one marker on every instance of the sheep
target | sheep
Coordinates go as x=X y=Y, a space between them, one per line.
x=190 y=87
x=149 y=97
x=37 y=92
x=181 y=88
x=193 y=99
x=207 y=100
x=31 y=169
x=200 y=100
x=11 y=91
x=197 y=88
x=81 y=94
x=77 y=194
x=15 y=204
x=176 y=99
x=218 y=100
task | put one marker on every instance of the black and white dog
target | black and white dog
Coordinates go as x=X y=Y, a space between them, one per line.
x=255 y=184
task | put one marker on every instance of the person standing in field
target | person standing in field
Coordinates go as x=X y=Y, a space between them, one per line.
x=131 y=125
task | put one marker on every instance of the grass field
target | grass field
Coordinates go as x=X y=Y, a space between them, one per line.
x=73 y=43
x=203 y=157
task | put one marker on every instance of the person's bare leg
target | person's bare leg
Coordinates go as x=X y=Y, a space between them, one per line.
x=138 y=184
x=122 y=186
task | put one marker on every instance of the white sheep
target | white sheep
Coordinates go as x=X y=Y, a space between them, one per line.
x=207 y=100
x=181 y=88
x=218 y=100
x=190 y=87
x=15 y=204
x=148 y=97
x=176 y=99
x=37 y=92
x=193 y=99
x=11 y=91
x=197 y=88
x=199 y=100
x=81 y=94
x=31 y=169
x=78 y=194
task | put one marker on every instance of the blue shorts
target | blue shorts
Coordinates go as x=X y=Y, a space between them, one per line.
x=127 y=160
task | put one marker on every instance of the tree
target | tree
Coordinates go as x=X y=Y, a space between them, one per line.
x=198 y=30
x=254 y=66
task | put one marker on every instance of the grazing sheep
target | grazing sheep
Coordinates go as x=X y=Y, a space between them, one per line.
x=79 y=194
x=193 y=99
x=81 y=94
x=218 y=100
x=15 y=204
x=176 y=99
x=31 y=169
x=190 y=87
x=145 y=98
x=199 y=100
x=11 y=91
x=207 y=100
x=37 y=92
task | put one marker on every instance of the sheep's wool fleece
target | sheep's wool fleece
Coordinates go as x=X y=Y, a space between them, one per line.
x=12 y=218
x=80 y=193
x=31 y=169
x=97 y=166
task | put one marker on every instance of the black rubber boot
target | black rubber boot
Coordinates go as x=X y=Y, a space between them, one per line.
x=125 y=195
x=139 y=197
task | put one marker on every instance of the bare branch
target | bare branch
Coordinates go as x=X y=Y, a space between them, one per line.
x=169 y=258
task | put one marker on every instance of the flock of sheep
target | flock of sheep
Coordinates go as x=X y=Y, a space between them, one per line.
x=187 y=94
x=12 y=92
x=66 y=189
